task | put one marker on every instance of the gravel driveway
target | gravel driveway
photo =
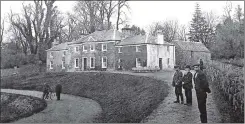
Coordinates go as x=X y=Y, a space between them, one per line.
x=169 y=112
x=70 y=109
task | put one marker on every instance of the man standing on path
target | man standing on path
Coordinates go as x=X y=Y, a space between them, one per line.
x=187 y=79
x=177 y=83
x=201 y=87
x=58 y=90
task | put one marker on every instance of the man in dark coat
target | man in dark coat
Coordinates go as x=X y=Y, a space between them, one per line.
x=46 y=90
x=58 y=90
x=201 y=87
x=187 y=79
x=177 y=83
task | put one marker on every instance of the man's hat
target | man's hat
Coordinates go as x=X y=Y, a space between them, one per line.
x=196 y=65
x=188 y=66
x=176 y=66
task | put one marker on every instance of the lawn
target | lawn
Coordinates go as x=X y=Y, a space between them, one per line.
x=123 y=98
x=14 y=106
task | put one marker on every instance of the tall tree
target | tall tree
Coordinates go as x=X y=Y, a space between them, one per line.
x=137 y=30
x=199 y=30
x=1 y=30
x=120 y=6
x=110 y=9
x=182 y=33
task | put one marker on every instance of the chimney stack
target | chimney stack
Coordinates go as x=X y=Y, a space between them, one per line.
x=160 y=37
x=127 y=32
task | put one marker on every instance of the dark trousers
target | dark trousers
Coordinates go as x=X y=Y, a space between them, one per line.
x=201 y=100
x=188 y=95
x=178 y=93
x=45 y=95
x=58 y=95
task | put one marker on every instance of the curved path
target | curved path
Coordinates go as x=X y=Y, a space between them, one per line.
x=169 y=112
x=70 y=109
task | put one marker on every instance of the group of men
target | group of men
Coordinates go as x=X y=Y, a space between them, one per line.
x=201 y=87
x=47 y=90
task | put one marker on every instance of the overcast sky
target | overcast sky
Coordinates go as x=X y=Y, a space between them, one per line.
x=144 y=13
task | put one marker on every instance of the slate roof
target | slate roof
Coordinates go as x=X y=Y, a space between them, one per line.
x=191 y=46
x=62 y=46
x=140 y=39
x=105 y=35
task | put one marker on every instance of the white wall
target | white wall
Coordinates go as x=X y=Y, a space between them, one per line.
x=154 y=52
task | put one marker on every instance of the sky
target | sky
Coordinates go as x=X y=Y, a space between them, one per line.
x=144 y=13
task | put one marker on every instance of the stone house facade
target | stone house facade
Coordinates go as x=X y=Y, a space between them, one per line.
x=190 y=53
x=111 y=50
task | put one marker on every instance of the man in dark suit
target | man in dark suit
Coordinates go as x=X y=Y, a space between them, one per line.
x=201 y=87
x=187 y=79
x=177 y=83
x=58 y=90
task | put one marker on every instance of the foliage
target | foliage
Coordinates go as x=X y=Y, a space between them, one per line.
x=229 y=39
x=200 y=30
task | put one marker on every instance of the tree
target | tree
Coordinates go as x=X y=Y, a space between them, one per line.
x=137 y=30
x=1 y=31
x=182 y=33
x=110 y=9
x=120 y=5
x=199 y=30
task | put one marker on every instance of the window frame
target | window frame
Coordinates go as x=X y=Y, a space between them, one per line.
x=63 y=64
x=91 y=62
x=77 y=63
x=137 y=49
x=77 y=49
x=119 y=49
x=84 y=49
x=92 y=45
x=103 y=47
x=103 y=61
x=51 y=65
x=137 y=63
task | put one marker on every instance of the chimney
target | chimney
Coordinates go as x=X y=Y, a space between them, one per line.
x=127 y=32
x=160 y=37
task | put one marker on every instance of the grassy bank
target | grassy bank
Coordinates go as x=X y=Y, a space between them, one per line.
x=123 y=98
x=14 y=106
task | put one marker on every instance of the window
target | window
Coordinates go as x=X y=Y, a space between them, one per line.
x=92 y=62
x=119 y=60
x=63 y=64
x=104 y=62
x=104 y=47
x=51 y=66
x=92 y=47
x=119 y=49
x=51 y=55
x=85 y=48
x=137 y=48
x=76 y=49
x=138 y=62
x=76 y=63
x=64 y=53
x=119 y=63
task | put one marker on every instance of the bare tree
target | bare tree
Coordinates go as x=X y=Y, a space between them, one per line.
x=110 y=9
x=170 y=29
x=1 y=30
x=120 y=5
x=228 y=9
x=182 y=32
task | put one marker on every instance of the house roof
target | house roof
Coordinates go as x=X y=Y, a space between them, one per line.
x=191 y=46
x=140 y=39
x=105 y=35
x=62 y=46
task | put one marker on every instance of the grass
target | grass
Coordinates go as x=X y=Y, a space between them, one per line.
x=123 y=98
x=15 y=106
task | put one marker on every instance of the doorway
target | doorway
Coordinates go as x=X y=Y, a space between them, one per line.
x=160 y=63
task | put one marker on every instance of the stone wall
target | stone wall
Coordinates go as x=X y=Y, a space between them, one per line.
x=228 y=79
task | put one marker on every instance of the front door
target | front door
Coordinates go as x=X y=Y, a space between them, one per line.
x=85 y=63
x=160 y=63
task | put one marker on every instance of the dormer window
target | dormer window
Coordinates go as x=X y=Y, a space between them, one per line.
x=104 y=47
x=137 y=48
x=85 y=48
